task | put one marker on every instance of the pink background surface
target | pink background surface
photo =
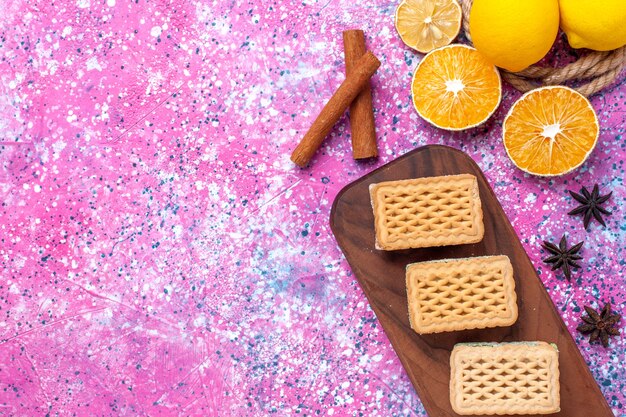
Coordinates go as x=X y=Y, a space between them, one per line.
x=159 y=253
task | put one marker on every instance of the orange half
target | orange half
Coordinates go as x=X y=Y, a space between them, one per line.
x=550 y=131
x=456 y=88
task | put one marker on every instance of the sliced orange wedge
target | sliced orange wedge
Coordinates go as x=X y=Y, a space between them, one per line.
x=456 y=88
x=550 y=131
x=428 y=24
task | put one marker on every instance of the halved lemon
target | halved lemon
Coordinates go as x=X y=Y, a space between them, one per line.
x=550 y=131
x=456 y=88
x=428 y=24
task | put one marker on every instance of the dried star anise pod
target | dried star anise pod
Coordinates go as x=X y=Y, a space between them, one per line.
x=563 y=257
x=590 y=205
x=600 y=325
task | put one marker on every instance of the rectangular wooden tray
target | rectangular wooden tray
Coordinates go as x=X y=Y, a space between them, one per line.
x=382 y=277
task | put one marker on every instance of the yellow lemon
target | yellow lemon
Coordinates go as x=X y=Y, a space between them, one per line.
x=514 y=34
x=599 y=25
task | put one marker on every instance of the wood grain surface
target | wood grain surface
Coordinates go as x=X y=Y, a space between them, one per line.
x=382 y=277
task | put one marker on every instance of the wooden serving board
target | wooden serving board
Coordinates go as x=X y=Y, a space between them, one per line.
x=381 y=276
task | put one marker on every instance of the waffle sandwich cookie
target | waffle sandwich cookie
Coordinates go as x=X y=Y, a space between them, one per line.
x=505 y=378
x=460 y=294
x=426 y=212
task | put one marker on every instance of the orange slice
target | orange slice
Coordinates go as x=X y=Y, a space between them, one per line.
x=428 y=24
x=550 y=131
x=456 y=88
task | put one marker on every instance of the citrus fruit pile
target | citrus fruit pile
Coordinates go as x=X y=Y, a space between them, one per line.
x=515 y=34
x=548 y=131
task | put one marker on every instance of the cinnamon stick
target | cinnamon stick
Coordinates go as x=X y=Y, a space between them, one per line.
x=359 y=76
x=361 y=110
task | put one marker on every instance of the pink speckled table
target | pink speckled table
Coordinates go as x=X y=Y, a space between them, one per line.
x=161 y=256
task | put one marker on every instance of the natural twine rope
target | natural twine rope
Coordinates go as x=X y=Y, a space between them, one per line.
x=591 y=73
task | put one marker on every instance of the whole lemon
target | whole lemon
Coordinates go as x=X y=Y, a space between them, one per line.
x=599 y=25
x=514 y=34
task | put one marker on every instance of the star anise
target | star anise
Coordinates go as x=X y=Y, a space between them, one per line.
x=600 y=325
x=590 y=205
x=563 y=257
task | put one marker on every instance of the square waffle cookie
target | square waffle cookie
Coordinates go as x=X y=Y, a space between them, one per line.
x=505 y=378
x=459 y=294
x=425 y=212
